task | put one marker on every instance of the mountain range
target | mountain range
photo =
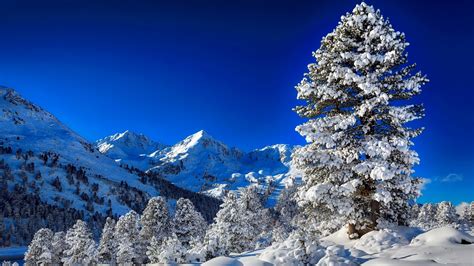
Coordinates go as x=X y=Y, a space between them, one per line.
x=43 y=160
x=201 y=163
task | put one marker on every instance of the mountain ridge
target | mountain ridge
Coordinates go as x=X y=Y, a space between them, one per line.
x=201 y=163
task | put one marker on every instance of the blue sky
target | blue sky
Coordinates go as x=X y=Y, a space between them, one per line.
x=170 y=68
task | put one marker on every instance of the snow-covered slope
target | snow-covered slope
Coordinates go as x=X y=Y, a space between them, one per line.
x=129 y=148
x=44 y=161
x=201 y=163
x=27 y=127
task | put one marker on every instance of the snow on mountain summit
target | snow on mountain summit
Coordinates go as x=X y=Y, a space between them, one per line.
x=203 y=164
x=127 y=145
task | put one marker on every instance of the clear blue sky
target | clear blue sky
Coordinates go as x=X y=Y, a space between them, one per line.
x=170 y=68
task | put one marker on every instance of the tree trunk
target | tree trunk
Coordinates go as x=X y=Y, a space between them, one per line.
x=352 y=232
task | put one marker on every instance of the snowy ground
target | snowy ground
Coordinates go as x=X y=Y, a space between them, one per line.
x=400 y=246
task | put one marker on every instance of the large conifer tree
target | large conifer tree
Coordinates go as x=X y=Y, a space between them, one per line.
x=81 y=248
x=357 y=165
x=188 y=223
x=40 y=249
x=107 y=246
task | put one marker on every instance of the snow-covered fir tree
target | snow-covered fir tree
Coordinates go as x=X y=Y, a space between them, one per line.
x=224 y=234
x=126 y=252
x=107 y=246
x=287 y=211
x=127 y=239
x=40 y=250
x=155 y=220
x=466 y=214
x=255 y=220
x=197 y=252
x=169 y=251
x=239 y=224
x=426 y=217
x=357 y=165
x=81 y=248
x=415 y=210
x=58 y=247
x=153 y=250
x=446 y=214
x=188 y=223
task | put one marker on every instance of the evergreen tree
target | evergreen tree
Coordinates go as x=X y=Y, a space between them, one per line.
x=170 y=251
x=58 y=247
x=153 y=250
x=287 y=211
x=126 y=236
x=126 y=252
x=155 y=220
x=446 y=214
x=40 y=249
x=106 y=250
x=81 y=248
x=254 y=220
x=197 y=251
x=238 y=225
x=357 y=165
x=466 y=214
x=188 y=223
x=223 y=235
x=426 y=216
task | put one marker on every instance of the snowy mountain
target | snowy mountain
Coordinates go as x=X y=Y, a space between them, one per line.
x=129 y=148
x=201 y=163
x=45 y=162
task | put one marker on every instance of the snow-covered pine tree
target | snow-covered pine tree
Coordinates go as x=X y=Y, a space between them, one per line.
x=126 y=237
x=106 y=250
x=40 y=249
x=426 y=217
x=223 y=235
x=153 y=250
x=466 y=213
x=58 y=247
x=255 y=220
x=287 y=211
x=81 y=248
x=126 y=252
x=415 y=210
x=170 y=250
x=472 y=212
x=197 y=251
x=238 y=225
x=446 y=214
x=155 y=220
x=357 y=165
x=188 y=223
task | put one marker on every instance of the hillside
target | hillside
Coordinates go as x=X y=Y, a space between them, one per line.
x=51 y=176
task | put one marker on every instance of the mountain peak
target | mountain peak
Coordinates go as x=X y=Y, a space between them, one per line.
x=127 y=144
x=201 y=134
x=11 y=96
x=129 y=135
